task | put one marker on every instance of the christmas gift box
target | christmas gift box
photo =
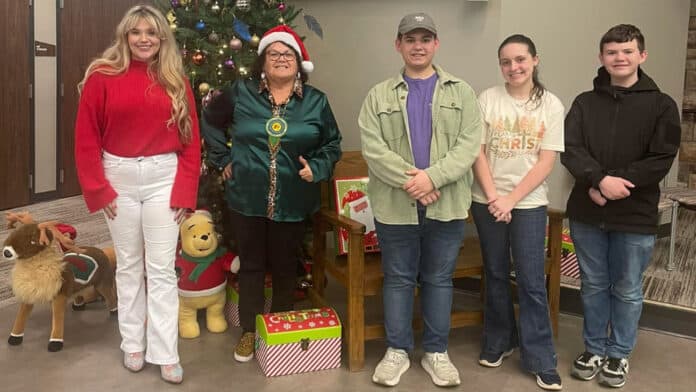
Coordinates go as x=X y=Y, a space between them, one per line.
x=298 y=341
x=351 y=200
x=232 y=305
x=569 y=261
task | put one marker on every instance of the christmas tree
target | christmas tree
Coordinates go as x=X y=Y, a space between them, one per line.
x=219 y=38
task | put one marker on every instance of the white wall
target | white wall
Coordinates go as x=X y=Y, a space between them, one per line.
x=358 y=47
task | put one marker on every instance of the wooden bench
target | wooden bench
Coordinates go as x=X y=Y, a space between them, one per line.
x=361 y=273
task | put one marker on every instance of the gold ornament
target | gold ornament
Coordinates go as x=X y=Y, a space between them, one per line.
x=243 y=71
x=203 y=88
x=173 y=27
x=255 y=40
x=170 y=16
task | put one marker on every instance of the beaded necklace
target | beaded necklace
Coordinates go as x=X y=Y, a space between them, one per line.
x=276 y=127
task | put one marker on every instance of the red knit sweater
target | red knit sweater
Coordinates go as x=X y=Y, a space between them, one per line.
x=126 y=115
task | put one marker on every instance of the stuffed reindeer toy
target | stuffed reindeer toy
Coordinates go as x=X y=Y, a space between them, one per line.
x=42 y=274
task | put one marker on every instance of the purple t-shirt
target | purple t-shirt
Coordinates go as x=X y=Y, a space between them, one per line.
x=420 y=117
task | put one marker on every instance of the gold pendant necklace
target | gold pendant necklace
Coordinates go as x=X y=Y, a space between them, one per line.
x=276 y=128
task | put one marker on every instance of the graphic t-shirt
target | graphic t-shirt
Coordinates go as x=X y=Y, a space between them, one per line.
x=514 y=132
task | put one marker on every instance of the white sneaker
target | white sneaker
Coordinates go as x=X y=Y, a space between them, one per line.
x=441 y=369
x=389 y=370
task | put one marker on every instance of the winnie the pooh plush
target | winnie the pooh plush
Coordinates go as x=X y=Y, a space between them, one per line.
x=201 y=265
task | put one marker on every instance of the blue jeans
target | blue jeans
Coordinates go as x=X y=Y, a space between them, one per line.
x=611 y=270
x=523 y=239
x=424 y=254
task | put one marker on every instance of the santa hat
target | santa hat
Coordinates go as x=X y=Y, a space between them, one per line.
x=288 y=36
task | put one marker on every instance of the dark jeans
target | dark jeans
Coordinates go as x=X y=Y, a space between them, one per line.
x=523 y=239
x=262 y=242
x=423 y=254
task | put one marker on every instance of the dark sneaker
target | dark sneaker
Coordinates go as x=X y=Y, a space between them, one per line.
x=586 y=366
x=549 y=380
x=494 y=360
x=244 y=351
x=614 y=372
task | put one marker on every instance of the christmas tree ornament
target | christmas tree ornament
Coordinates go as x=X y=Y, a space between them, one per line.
x=171 y=17
x=213 y=37
x=173 y=27
x=281 y=6
x=200 y=25
x=235 y=43
x=175 y=3
x=228 y=63
x=243 y=71
x=281 y=20
x=198 y=57
x=314 y=26
x=215 y=8
x=203 y=88
x=255 y=40
x=243 y=5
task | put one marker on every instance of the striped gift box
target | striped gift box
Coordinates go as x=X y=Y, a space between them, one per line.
x=569 y=261
x=298 y=341
x=232 y=306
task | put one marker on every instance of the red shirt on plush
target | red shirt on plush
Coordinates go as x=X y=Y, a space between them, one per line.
x=126 y=115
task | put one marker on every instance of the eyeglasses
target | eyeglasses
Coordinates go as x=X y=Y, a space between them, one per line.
x=275 y=56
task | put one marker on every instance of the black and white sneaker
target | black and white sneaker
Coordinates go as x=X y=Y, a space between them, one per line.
x=494 y=360
x=549 y=380
x=586 y=366
x=614 y=372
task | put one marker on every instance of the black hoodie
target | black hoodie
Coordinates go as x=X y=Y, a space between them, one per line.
x=632 y=133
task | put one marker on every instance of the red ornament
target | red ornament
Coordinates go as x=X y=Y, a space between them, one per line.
x=281 y=7
x=198 y=58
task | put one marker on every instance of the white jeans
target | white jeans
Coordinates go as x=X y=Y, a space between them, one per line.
x=144 y=226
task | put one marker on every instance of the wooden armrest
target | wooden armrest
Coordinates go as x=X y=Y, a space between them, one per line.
x=344 y=222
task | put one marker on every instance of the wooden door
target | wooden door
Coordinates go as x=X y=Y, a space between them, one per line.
x=86 y=29
x=15 y=104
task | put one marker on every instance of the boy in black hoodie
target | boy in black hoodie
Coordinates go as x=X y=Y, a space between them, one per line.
x=620 y=141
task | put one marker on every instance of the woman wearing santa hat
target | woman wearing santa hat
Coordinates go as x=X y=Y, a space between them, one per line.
x=285 y=140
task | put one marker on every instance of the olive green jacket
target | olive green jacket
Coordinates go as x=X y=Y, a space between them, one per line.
x=386 y=146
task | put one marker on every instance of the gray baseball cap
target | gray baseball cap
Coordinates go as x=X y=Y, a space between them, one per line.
x=419 y=20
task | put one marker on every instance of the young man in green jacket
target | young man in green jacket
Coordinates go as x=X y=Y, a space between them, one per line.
x=420 y=133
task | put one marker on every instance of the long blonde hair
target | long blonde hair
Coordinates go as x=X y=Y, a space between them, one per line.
x=166 y=65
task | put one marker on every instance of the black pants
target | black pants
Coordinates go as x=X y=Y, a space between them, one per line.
x=262 y=242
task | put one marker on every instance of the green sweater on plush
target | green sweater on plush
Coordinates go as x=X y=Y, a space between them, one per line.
x=241 y=112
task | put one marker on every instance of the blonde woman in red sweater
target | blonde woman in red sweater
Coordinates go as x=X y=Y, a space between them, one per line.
x=137 y=150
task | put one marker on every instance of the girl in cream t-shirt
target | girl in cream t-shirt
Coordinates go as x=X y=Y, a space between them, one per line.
x=523 y=133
